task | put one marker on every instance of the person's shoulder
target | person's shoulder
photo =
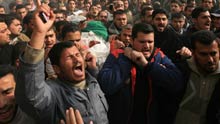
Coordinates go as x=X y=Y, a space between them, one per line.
x=90 y=78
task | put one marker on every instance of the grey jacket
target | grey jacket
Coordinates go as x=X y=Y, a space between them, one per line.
x=47 y=101
x=22 y=118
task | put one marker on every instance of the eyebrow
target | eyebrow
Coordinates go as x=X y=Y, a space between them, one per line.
x=8 y=89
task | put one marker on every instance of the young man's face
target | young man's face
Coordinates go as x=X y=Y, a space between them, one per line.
x=125 y=36
x=120 y=20
x=50 y=39
x=203 y=21
x=216 y=22
x=103 y=17
x=15 y=27
x=126 y=4
x=59 y=17
x=94 y=10
x=175 y=8
x=72 y=66
x=22 y=12
x=2 y=10
x=7 y=100
x=206 y=57
x=160 y=21
x=144 y=43
x=4 y=34
x=119 y=5
x=188 y=11
x=71 y=6
x=73 y=36
x=178 y=23
x=207 y=4
x=148 y=16
x=99 y=7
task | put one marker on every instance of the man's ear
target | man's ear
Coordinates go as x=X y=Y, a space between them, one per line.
x=56 y=69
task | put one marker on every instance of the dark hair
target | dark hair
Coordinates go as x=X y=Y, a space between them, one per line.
x=1 y=6
x=7 y=69
x=197 y=11
x=20 y=6
x=188 y=6
x=60 y=11
x=118 y=12
x=189 y=1
x=177 y=16
x=10 y=18
x=160 y=11
x=11 y=5
x=143 y=11
x=2 y=17
x=177 y=2
x=28 y=17
x=53 y=5
x=204 y=37
x=102 y=11
x=141 y=27
x=59 y=24
x=156 y=5
x=56 y=51
x=143 y=5
x=70 y=27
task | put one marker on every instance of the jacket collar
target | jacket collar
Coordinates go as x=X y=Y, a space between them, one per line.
x=192 y=65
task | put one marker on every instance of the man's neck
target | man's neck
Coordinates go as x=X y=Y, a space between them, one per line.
x=80 y=85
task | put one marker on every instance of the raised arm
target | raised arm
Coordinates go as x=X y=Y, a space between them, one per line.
x=37 y=38
x=32 y=93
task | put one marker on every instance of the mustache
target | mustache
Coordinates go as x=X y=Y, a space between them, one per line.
x=211 y=63
x=6 y=108
x=161 y=25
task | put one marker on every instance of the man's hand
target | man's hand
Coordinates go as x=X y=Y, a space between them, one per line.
x=119 y=44
x=90 y=60
x=112 y=37
x=135 y=56
x=40 y=28
x=73 y=117
x=184 y=51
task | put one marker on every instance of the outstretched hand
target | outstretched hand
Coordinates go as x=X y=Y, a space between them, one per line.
x=73 y=117
x=184 y=51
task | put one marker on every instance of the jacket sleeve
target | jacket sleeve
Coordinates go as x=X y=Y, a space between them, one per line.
x=114 y=73
x=32 y=93
x=165 y=75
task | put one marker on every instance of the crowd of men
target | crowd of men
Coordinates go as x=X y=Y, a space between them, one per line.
x=109 y=62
